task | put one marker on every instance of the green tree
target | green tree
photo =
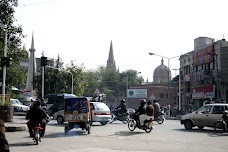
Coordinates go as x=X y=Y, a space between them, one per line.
x=15 y=76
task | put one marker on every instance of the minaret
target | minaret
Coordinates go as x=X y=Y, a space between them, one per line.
x=111 y=62
x=31 y=67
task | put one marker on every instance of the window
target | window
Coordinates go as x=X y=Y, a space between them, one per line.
x=204 y=110
x=218 y=110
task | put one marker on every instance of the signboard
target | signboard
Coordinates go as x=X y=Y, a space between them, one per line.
x=137 y=93
x=201 y=56
x=203 y=92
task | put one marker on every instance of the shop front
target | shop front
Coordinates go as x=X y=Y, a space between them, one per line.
x=201 y=94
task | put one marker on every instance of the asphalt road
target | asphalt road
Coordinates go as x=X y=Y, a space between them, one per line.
x=115 y=137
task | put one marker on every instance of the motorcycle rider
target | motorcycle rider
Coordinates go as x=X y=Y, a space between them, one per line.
x=157 y=108
x=149 y=113
x=122 y=108
x=141 y=110
x=36 y=115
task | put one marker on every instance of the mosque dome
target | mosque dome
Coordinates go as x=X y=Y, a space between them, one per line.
x=161 y=73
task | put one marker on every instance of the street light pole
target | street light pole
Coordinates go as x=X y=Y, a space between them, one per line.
x=127 y=91
x=4 y=69
x=150 y=53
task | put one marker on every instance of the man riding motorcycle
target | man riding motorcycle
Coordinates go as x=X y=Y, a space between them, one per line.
x=122 y=108
x=36 y=115
x=141 y=110
x=149 y=113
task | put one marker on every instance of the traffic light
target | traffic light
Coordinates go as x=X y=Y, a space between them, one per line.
x=43 y=61
x=6 y=61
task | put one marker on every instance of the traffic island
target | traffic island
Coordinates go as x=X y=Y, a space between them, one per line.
x=15 y=128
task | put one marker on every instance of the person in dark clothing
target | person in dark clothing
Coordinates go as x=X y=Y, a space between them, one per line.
x=122 y=108
x=149 y=113
x=4 y=146
x=36 y=115
x=141 y=110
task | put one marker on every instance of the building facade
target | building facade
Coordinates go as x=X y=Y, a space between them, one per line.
x=204 y=73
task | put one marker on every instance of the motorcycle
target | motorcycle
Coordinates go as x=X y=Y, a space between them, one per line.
x=220 y=126
x=124 y=117
x=159 y=118
x=148 y=125
x=37 y=131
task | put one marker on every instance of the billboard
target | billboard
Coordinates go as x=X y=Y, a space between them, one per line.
x=137 y=93
x=202 y=56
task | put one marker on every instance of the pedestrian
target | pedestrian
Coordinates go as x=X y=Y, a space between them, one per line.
x=4 y=146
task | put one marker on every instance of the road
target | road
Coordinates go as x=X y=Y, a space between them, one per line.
x=115 y=137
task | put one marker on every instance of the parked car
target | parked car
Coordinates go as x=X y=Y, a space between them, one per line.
x=18 y=106
x=207 y=115
x=100 y=113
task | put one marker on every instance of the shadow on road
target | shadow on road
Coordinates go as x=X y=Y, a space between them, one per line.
x=128 y=133
x=210 y=132
x=19 y=144
x=73 y=132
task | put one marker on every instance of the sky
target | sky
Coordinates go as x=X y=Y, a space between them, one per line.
x=82 y=30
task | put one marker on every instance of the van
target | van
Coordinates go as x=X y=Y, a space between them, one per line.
x=54 y=102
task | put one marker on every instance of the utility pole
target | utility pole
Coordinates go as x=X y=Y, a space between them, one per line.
x=4 y=69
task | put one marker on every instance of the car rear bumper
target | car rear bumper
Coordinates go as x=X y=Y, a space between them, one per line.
x=101 y=118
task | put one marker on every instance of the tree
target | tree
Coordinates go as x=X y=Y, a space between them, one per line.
x=59 y=80
x=15 y=76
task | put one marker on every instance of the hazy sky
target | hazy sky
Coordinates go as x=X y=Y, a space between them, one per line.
x=81 y=30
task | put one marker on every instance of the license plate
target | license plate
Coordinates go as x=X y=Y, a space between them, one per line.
x=105 y=119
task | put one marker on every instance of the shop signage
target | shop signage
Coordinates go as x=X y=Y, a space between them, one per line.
x=137 y=93
x=203 y=92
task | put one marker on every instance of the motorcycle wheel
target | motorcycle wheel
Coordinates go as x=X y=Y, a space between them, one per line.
x=219 y=126
x=160 y=119
x=148 y=128
x=131 y=125
x=125 y=119
x=112 y=118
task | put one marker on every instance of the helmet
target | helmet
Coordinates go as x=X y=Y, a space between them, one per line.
x=122 y=101
x=149 y=102
x=143 y=101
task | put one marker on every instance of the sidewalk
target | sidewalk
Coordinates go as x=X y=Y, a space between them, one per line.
x=18 y=124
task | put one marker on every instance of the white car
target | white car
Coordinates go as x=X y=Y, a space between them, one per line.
x=100 y=113
x=207 y=115
x=18 y=106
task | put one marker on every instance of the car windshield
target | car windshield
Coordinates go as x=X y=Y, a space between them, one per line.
x=15 y=101
x=101 y=106
x=204 y=109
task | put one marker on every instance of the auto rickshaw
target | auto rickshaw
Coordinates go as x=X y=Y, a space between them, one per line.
x=77 y=113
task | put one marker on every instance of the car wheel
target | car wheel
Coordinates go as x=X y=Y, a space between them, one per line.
x=200 y=127
x=103 y=123
x=60 y=119
x=188 y=124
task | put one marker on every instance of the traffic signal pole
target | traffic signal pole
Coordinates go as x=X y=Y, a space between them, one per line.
x=42 y=81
